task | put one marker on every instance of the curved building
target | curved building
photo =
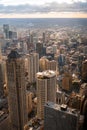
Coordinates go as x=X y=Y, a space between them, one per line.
x=46 y=90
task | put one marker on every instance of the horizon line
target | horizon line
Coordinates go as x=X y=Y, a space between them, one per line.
x=44 y=18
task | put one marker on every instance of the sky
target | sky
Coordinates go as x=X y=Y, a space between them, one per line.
x=43 y=8
x=37 y=2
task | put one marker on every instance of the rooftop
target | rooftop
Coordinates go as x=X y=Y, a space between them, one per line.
x=46 y=74
x=13 y=55
x=58 y=107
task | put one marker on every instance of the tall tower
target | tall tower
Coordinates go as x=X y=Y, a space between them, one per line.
x=33 y=66
x=39 y=48
x=45 y=64
x=1 y=75
x=67 y=81
x=46 y=90
x=6 y=30
x=84 y=71
x=16 y=90
x=29 y=103
x=1 y=81
x=44 y=37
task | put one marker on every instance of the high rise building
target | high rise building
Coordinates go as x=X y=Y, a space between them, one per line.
x=55 y=49
x=3 y=63
x=33 y=66
x=16 y=90
x=80 y=60
x=60 y=97
x=53 y=65
x=44 y=37
x=31 y=38
x=61 y=60
x=29 y=101
x=67 y=81
x=84 y=71
x=45 y=64
x=46 y=90
x=12 y=35
x=1 y=75
x=6 y=30
x=39 y=48
x=1 y=81
x=25 y=49
x=59 y=117
x=84 y=113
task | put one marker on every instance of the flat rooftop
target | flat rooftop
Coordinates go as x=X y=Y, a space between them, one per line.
x=54 y=106
x=46 y=74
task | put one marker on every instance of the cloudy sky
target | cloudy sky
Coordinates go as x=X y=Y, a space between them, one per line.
x=43 y=8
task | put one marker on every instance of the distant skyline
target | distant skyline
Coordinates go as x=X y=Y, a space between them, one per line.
x=43 y=9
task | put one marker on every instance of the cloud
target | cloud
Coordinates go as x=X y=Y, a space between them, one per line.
x=45 y=8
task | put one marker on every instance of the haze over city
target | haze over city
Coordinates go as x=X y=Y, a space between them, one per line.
x=43 y=64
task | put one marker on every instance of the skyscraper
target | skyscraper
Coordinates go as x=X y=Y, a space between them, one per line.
x=60 y=97
x=39 y=48
x=6 y=30
x=1 y=81
x=61 y=60
x=67 y=81
x=53 y=65
x=46 y=90
x=29 y=103
x=33 y=66
x=58 y=117
x=84 y=71
x=43 y=63
x=46 y=64
x=44 y=37
x=16 y=90
x=1 y=75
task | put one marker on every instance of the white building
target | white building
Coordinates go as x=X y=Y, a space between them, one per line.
x=46 y=90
